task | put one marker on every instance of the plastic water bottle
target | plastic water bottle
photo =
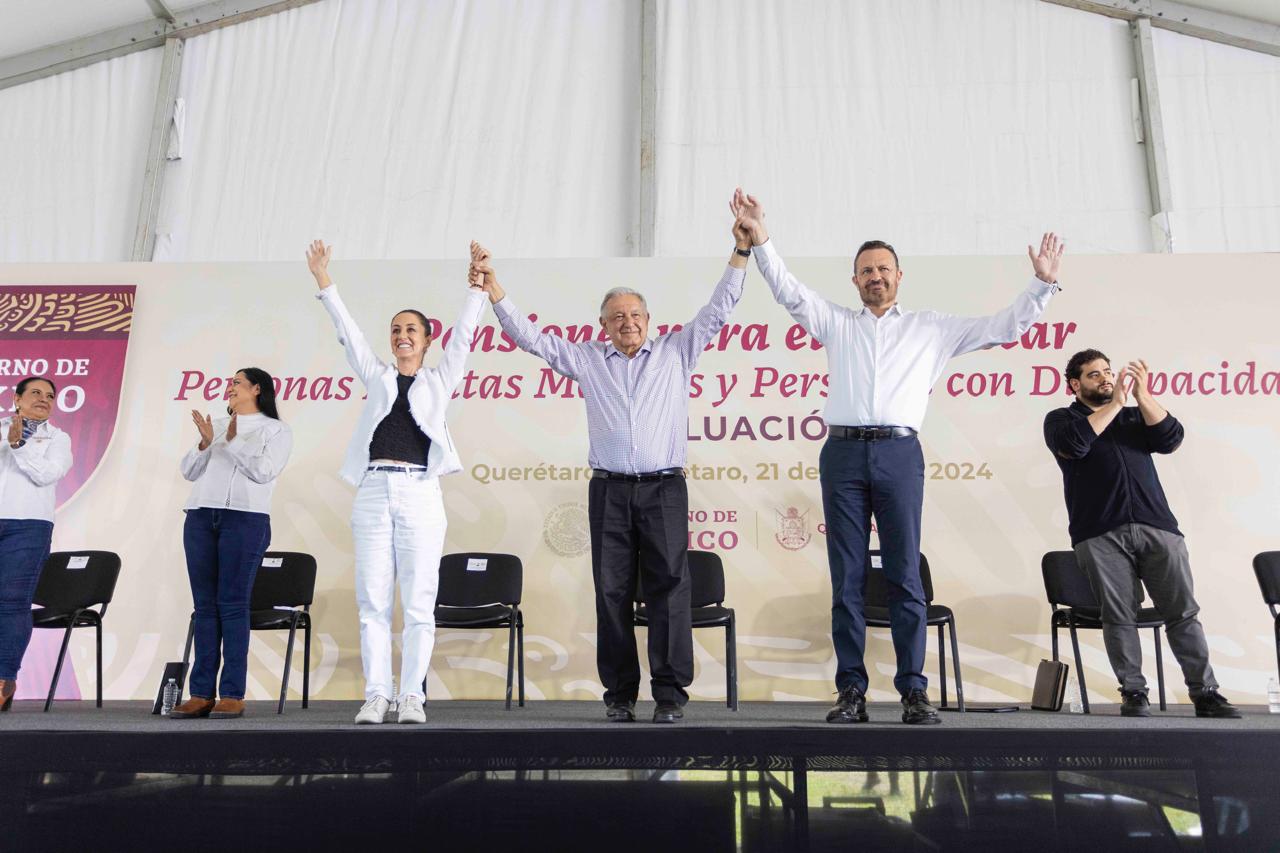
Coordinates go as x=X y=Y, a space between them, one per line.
x=1273 y=696
x=170 y=697
x=1073 y=697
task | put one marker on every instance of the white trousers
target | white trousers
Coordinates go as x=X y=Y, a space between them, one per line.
x=398 y=524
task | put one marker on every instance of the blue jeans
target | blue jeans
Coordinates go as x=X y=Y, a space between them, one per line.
x=884 y=478
x=24 y=546
x=224 y=549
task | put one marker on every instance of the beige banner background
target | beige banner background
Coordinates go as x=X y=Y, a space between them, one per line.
x=984 y=535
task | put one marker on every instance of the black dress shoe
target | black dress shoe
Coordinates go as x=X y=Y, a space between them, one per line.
x=667 y=712
x=851 y=707
x=1133 y=703
x=1211 y=703
x=621 y=712
x=917 y=711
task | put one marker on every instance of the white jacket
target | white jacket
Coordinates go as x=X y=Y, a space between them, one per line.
x=429 y=394
x=29 y=475
x=240 y=474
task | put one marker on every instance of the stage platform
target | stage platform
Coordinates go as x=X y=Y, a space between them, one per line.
x=559 y=776
x=474 y=735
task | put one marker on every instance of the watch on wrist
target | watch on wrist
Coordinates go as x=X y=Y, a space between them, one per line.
x=746 y=253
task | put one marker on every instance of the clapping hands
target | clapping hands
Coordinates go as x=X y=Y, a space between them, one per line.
x=204 y=424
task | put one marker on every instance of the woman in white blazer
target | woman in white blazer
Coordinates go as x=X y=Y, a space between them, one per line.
x=34 y=457
x=233 y=470
x=400 y=449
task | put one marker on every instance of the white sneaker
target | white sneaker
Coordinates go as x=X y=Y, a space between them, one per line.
x=374 y=711
x=411 y=710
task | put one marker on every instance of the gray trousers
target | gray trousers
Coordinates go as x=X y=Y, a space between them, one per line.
x=1116 y=563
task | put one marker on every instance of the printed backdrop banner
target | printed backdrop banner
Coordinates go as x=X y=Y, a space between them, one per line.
x=993 y=497
x=78 y=337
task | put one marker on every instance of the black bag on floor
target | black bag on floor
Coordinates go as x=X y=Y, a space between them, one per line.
x=1051 y=686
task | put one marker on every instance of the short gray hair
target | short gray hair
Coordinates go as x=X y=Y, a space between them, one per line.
x=622 y=291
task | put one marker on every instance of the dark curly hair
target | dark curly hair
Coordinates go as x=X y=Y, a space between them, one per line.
x=1080 y=359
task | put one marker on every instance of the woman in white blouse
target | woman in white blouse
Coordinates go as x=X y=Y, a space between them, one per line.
x=400 y=450
x=228 y=527
x=33 y=458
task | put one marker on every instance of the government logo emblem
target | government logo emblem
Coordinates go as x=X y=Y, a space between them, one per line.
x=567 y=530
x=793 y=528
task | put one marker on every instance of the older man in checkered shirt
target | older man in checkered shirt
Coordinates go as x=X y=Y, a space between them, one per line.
x=637 y=394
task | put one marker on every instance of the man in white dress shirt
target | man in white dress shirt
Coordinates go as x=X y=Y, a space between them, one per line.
x=883 y=362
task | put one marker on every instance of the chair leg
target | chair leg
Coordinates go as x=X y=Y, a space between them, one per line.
x=306 y=664
x=511 y=653
x=1053 y=637
x=1159 y=668
x=288 y=660
x=1075 y=648
x=955 y=664
x=98 y=627
x=731 y=653
x=520 y=652
x=186 y=655
x=62 y=656
x=1277 y=629
x=942 y=669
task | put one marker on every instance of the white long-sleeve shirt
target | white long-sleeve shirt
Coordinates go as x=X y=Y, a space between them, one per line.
x=429 y=395
x=29 y=474
x=240 y=474
x=637 y=408
x=881 y=369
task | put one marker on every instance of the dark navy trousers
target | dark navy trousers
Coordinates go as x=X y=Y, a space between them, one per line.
x=885 y=479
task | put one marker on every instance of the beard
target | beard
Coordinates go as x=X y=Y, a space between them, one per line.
x=876 y=297
x=1096 y=398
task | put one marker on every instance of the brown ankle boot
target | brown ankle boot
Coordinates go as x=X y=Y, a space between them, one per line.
x=196 y=706
x=8 y=687
x=227 y=709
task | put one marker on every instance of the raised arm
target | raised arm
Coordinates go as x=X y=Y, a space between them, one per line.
x=464 y=331
x=966 y=334
x=43 y=462
x=359 y=354
x=807 y=308
x=693 y=337
x=564 y=358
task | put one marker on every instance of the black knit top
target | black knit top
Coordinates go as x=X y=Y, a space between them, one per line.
x=398 y=435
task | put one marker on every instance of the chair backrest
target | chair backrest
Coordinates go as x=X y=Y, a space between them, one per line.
x=285 y=579
x=1266 y=567
x=706 y=579
x=875 y=592
x=1065 y=583
x=474 y=579
x=71 y=580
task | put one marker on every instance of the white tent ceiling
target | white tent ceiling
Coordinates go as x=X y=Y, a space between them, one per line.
x=27 y=25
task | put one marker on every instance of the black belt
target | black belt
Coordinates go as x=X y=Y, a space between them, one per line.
x=868 y=433
x=395 y=469
x=664 y=474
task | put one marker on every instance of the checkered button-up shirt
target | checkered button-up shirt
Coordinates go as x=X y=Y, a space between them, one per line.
x=637 y=408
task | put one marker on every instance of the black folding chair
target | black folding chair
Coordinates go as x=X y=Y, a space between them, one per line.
x=479 y=590
x=875 y=606
x=1266 y=567
x=707 y=610
x=1075 y=606
x=281 y=600
x=71 y=583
